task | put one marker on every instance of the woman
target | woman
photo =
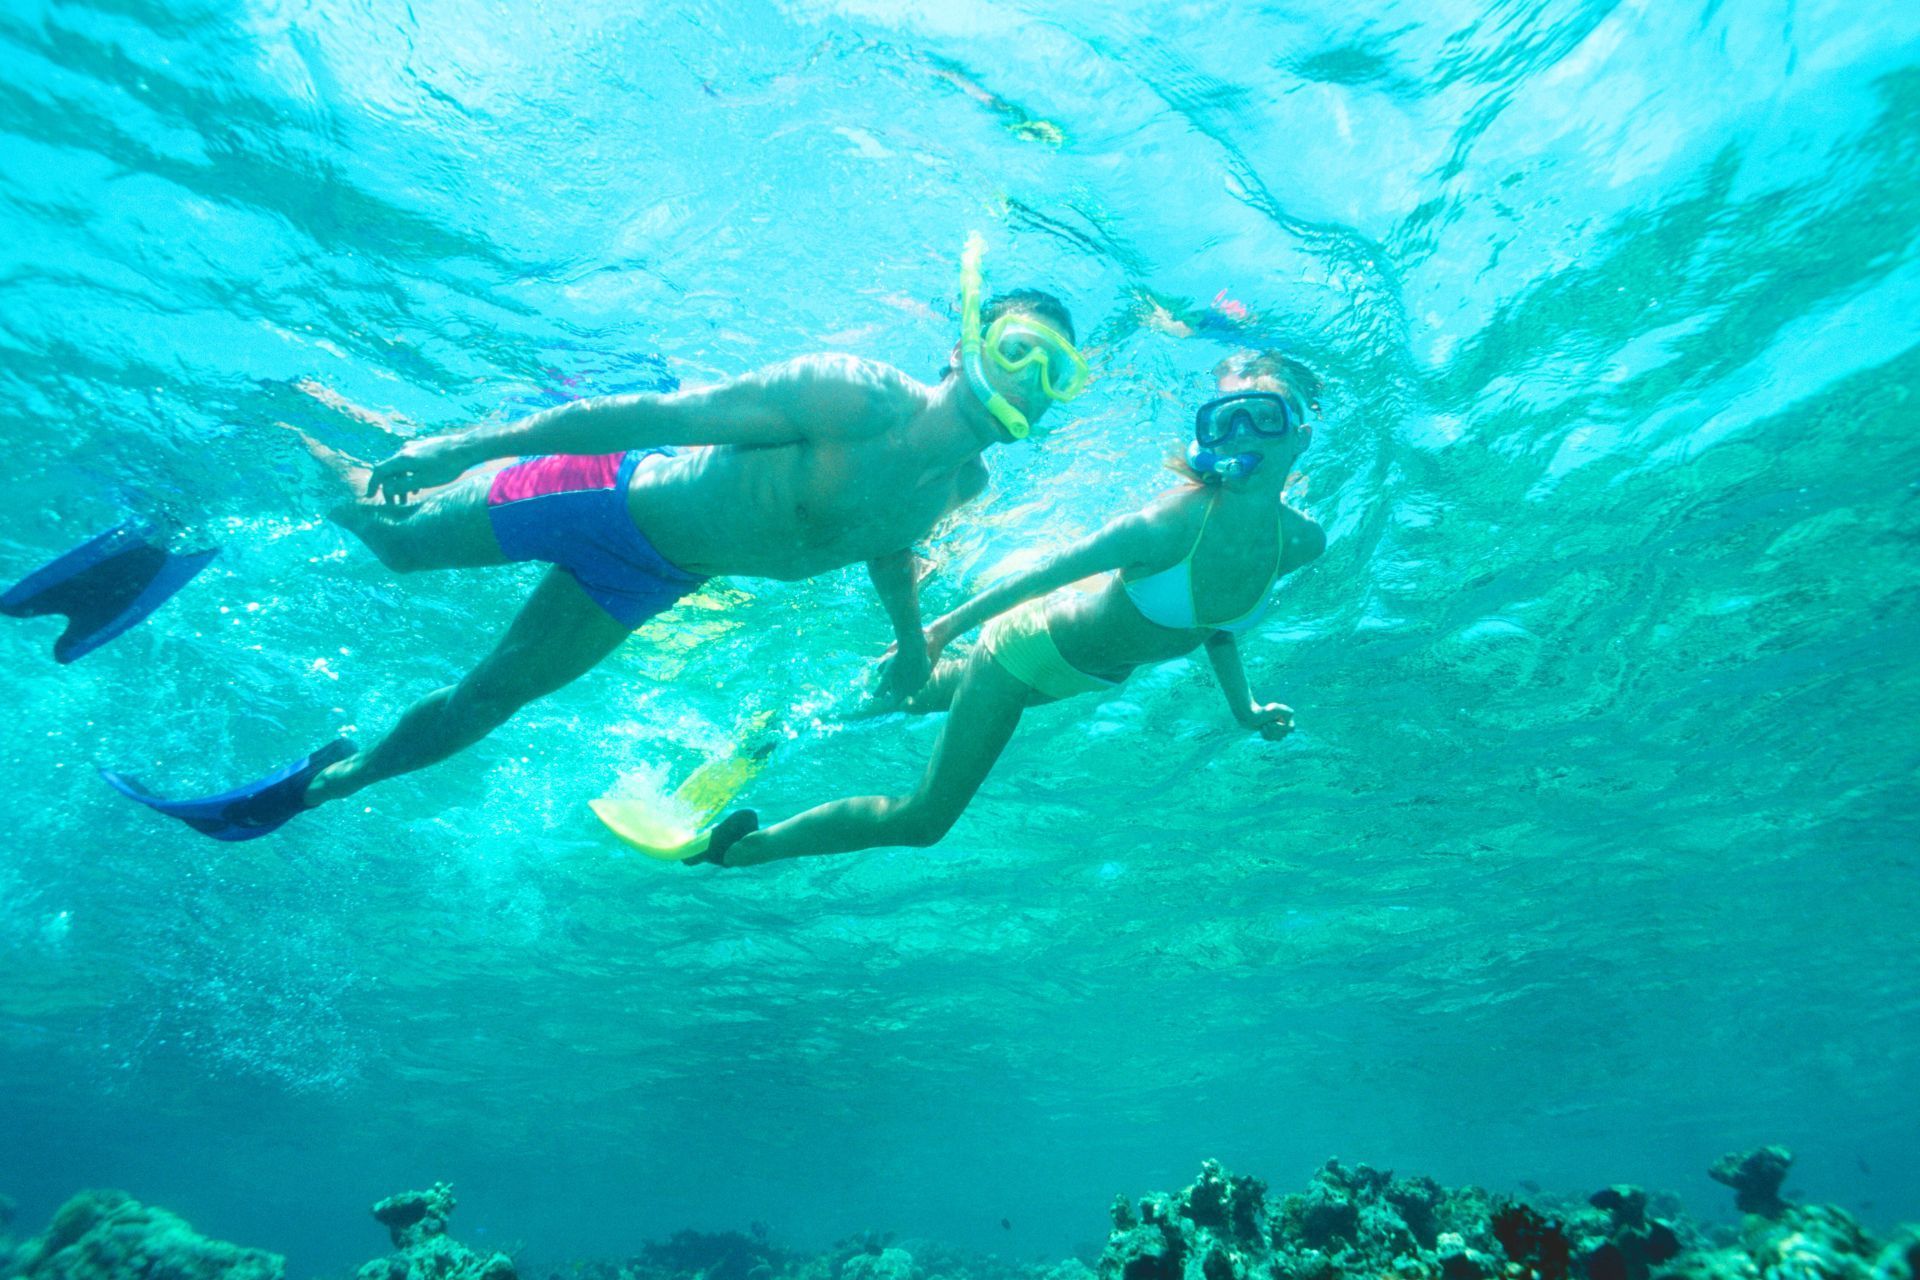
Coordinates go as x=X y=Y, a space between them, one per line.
x=1195 y=568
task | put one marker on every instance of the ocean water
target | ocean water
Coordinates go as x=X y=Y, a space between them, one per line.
x=1593 y=856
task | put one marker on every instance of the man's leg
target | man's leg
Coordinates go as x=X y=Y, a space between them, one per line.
x=450 y=528
x=986 y=710
x=558 y=636
x=444 y=528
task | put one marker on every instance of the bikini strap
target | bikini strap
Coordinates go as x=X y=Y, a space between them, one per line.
x=1193 y=601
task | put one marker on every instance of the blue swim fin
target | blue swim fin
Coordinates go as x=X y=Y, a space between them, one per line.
x=248 y=812
x=103 y=587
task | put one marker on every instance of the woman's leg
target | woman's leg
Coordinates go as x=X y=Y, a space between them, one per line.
x=986 y=710
x=935 y=695
x=938 y=692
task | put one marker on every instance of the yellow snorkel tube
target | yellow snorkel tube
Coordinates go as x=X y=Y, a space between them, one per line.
x=970 y=284
x=1050 y=346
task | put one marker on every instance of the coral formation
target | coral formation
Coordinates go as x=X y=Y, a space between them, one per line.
x=1900 y=1260
x=727 y=1255
x=1755 y=1177
x=714 y=1255
x=888 y=1264
x=1348 y=1223
x=416 y=1221
x=103 y=1235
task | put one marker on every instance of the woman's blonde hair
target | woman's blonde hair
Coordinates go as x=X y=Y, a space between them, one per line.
x=1279 y=366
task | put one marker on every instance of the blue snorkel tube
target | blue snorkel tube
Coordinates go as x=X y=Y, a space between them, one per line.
x=1215 y=467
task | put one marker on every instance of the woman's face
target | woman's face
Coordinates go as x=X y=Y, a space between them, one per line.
x=1286 y=448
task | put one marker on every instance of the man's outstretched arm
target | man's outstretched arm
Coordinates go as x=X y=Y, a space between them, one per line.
x=774 y=406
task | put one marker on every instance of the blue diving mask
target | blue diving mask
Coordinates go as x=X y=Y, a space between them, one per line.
x=1218 y=421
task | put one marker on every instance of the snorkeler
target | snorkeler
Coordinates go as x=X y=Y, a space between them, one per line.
x=636 y=500
x=1196 y=568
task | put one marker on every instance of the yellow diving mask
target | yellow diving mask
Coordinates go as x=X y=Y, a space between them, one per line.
x=1017 y=342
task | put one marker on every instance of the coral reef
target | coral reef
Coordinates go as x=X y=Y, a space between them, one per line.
x=726 y=1255
x=1348 y=1223
x=1900 y=1260
x=416 y=1221
x=1360 y=1223
x=888 y=1264
x=104 y=1235
x=1366 y=1224
x=716 y=1255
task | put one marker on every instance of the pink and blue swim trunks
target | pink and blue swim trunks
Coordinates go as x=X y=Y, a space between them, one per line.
x=571 y=511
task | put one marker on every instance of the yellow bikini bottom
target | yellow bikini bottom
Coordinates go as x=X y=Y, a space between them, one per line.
x=1020 y=642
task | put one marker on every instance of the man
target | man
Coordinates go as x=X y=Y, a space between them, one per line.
x=785 y=473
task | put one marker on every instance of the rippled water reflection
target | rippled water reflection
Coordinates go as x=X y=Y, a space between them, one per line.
x=1592 y=858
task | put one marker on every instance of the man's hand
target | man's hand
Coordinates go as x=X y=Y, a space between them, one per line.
x=904 y=672
x=1272 y=720
x=421 y=464
x=896 y=580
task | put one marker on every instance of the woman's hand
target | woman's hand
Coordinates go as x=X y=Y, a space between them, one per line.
x=1271 y=720
x=940 y=633
x=426 y=463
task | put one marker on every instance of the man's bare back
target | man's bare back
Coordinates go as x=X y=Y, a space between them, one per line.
x=875 y=468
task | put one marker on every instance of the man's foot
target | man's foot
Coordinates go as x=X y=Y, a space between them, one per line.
x=329 y=783
x=363 y=517
x=727 y=833
x=247 y=812
x=344 y=467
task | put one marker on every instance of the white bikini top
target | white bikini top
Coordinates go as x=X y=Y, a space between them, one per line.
x=1166 y=597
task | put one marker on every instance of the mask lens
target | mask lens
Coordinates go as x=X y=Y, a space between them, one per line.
x=1271 y=418
x=1211 y=426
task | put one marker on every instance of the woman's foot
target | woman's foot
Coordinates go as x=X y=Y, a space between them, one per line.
x=727 y=833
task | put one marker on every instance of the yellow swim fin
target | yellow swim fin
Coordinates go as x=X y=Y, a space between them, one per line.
x=669 y=827
x=656 y=826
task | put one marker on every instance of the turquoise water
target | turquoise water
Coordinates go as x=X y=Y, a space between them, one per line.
x=1592 y=858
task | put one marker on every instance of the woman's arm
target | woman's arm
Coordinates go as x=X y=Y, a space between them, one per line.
x=1119 y=544
x=1273 y=720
